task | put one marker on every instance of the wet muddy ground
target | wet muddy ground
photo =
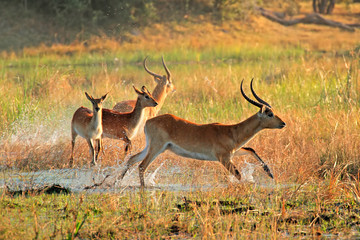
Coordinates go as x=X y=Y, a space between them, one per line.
x=160 y=177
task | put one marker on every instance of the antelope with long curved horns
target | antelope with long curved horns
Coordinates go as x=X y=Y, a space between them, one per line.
x=164 y=86
x=211 y=142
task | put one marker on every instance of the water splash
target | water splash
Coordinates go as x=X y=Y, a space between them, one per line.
x=74 y=179
x=43 y=129
x=248 y=171
x=150 y=179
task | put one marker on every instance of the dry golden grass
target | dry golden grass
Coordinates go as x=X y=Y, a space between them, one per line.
x=315 y=159
x=310 y=147
x=309 y=91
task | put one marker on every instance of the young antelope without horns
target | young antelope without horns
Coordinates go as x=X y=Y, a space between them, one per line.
x=125 y=126
x=88 y=124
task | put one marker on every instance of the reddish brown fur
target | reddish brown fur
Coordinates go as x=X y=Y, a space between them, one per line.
x=213 y=142
x=163 y=88
x=89 y=126
x=125 y=126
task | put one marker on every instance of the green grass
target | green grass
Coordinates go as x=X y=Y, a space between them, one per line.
x=295 y=78
x=316 y=94
x=46 y=90
x=234 y=212
x=78 y=57
x=308 y=73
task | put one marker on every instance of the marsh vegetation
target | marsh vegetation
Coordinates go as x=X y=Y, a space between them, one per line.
x=309 y=74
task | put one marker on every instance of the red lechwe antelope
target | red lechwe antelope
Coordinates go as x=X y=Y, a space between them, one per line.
x=88 y=125
x=163 y=88
x=125 y=126
x=212 y=142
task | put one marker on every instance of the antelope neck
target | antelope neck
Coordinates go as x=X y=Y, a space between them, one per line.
x=159 y=94
x=97 y=117
x=138 y=111
x=246 y=130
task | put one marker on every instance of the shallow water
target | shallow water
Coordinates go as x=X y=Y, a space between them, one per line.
x=171 y=179
x=77 y=180
x=49 y=128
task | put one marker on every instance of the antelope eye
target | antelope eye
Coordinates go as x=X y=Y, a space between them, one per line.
x=271 y=114
x=147 y=97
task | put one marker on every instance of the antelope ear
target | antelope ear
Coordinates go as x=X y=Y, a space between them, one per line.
x=89 y=96
x=104 y=97
x=157 y=79
x=262 y=109
x=138 y=91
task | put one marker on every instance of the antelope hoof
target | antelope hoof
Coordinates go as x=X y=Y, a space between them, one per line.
x=71 y=162
x=267 y=170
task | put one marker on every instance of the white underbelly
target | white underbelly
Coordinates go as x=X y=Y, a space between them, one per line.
x=96 y=135
x=134 y=132
x=140 y=125
x=106 y=135
x=191 y=154
x=89 y=133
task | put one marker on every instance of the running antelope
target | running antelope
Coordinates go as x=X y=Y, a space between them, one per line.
x=88 y=124
x=163 y=88
x=211 y=142
x=125 y=126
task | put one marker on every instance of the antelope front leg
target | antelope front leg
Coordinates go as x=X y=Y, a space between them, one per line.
x=226 y=161
x=128 y=146
x=99 y=148
x=245 y=151
x=73 y=138
x=92 y=151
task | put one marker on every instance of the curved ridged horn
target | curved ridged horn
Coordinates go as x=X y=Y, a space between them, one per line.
x=256 y=96
x=145 y=90
x=166 y=69
x=259 y=105
x=150 y=72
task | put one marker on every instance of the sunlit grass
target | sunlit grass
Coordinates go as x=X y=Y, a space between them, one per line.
x=312 y=85
x=314 y=95
x=233 y=212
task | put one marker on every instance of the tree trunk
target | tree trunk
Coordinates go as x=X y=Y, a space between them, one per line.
x=312 y=18
x=323 y=6
x=314 y=6
x=330 y=7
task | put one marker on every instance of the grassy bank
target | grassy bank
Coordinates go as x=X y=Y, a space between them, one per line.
x=233 y=212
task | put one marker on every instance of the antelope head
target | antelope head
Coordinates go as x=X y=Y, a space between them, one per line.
x=267 y=117
x=165 y=80
x=96 y=102
x=146 y=99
